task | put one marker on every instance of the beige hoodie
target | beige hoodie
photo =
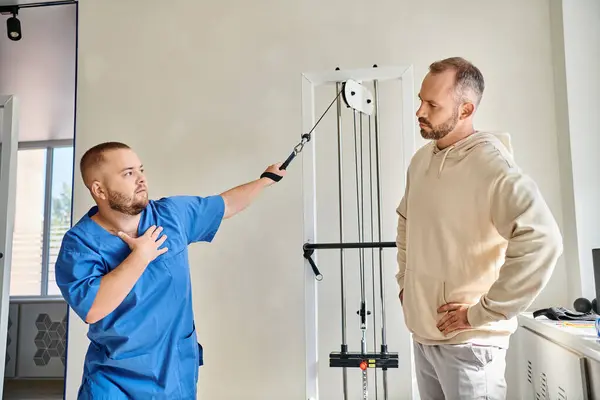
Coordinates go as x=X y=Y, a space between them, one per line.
x=472 y=229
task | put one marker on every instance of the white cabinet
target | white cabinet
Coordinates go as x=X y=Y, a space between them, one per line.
x=593 y=378
x=549 y=370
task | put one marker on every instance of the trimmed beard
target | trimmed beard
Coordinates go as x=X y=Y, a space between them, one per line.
x=125 y=204
x=443 y=129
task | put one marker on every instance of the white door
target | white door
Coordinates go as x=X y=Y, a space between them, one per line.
x=8 y=185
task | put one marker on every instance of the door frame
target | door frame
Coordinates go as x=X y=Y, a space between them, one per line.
x=8 y=187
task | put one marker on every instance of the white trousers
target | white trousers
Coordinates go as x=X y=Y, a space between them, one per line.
x=453 y=372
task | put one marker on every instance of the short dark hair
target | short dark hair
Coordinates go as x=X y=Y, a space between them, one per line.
x=95 y=156
x=468 y=76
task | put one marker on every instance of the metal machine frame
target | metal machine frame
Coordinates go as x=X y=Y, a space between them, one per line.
x=337 y=78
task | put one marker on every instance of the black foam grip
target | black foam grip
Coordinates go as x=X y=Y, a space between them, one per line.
x=272 y=176
x=318 y=275
x=288 y=161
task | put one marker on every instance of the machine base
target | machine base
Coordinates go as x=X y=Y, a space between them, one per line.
x=363 y=361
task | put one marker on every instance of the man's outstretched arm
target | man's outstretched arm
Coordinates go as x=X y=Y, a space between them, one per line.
x=240 y=197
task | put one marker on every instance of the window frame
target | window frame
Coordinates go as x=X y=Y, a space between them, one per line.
x=49 y=146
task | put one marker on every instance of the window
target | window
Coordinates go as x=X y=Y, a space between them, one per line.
x=28 y=234
x=60 y=208
x=43 y=216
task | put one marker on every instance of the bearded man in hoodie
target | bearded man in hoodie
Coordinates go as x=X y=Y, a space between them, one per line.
x=476 y=242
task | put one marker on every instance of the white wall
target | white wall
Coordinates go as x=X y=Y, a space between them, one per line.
x=570 y=233
x=575 y=34
x=192 y=84
x=40 y=70
x=581 y=133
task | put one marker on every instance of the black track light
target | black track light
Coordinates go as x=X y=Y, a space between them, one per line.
x=13 y=27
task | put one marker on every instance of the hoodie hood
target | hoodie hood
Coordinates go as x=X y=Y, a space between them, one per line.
x=459 y=150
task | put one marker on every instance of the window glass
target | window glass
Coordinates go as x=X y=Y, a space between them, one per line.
x=26 y=268
x=60 y=211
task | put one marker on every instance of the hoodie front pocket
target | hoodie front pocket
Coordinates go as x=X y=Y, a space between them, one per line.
x=423 y=296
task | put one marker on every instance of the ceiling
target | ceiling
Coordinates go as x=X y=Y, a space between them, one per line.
x=40 y=71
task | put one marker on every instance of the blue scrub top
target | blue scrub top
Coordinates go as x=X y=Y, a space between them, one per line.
x=147 y=347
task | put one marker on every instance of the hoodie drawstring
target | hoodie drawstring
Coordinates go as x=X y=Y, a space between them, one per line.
x=444 y=160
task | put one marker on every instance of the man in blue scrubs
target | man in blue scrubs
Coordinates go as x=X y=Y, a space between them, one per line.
x=123 y=268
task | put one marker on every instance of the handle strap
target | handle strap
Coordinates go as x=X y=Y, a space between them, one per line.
x=271 y=176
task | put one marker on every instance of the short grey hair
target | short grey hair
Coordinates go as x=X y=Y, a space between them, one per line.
x=468 y=76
